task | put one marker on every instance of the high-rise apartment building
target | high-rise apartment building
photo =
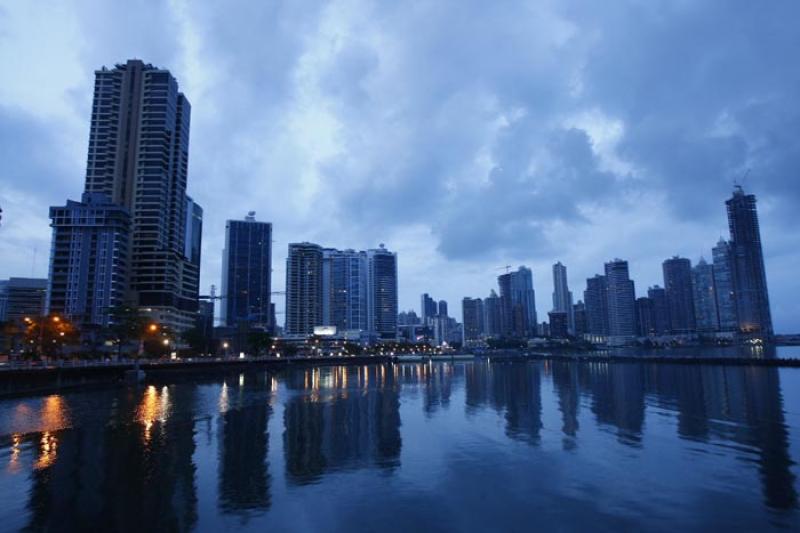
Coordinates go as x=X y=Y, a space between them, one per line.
x=562 y=297
x=247 y=273
x=723 y=283
x=705 y=298
x=344 y=274
x=680 y=295
x=428 y=308
x=138 y=160
x=661 y=322
x=645 y=317
x=304 y=305
x=472 y=316
x=492 y=311
x=88 y=259
x=382 y=292
x=581 y=319
x=749 y=275
x=595 y=299
x=518 y=303
x=621 y=302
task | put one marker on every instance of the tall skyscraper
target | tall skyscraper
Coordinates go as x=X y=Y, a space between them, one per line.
x=344 y=274
x=382 y=292
x=247 y=273
x=492 y=315
x=428 y=309
x=472 y=316
x=723 y=282
x=749 y=274
x=621 y=302
x=705 y=298
x=661 y=322
x=562 y=297
x=303 y=288
x=88 y=259
x=138 y=158
x=595 y=298
x=680 y=296
x=442 y=308
x=518 y=303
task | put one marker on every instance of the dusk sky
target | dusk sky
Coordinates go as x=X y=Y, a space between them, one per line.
x=465 y=135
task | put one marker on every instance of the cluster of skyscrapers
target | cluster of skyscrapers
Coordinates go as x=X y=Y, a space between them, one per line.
x=725 y=297
x=134 y=239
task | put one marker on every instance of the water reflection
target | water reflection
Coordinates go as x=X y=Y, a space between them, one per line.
x=129 y=458
x=336 y=427
x=244 y=480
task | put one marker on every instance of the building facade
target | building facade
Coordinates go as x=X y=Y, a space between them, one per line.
x=595 y=298
x=723 y=282
x=562 y=297
x=680 y=295
x=472 y=318
x=661 y=322
x=138 y=157
x=518 y=303
x=88 y=259
x=382 y=292
x=344 y=274
x=621 y=302
x=705 y=297
x=303 y=288
x=749 y=275
x=247 y=273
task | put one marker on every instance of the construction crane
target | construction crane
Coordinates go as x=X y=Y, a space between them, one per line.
x=507 y=268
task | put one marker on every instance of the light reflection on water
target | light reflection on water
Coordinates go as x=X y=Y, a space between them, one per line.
x=463 y=446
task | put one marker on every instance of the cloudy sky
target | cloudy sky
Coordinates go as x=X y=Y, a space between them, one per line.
x=466 y=135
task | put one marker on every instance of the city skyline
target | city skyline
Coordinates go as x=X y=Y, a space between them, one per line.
x=676 y=211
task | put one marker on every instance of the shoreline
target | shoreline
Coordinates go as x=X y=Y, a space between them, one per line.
x=33 y=380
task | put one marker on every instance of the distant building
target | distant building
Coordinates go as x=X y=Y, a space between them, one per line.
x=442 y=308
x=749 y=275
x=518 y=303
x=428 y=308
x=247 y=273
x=492 y=315
x=680 y=295
x=303 y=288
x=24 y=297
x=621 y=302
x=661 y=322
x=88 y=259
x=723 y=282
x=408 y=318
x=562 y=297
x=344 y=287
x=3 y=299
x=595 y=299
x=645 y=317
x=558 y=324
x=705 y=298
x=382 y=292
x=472 y=316
x=581 y=319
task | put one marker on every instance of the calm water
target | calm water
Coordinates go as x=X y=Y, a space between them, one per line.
x=412 y=447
